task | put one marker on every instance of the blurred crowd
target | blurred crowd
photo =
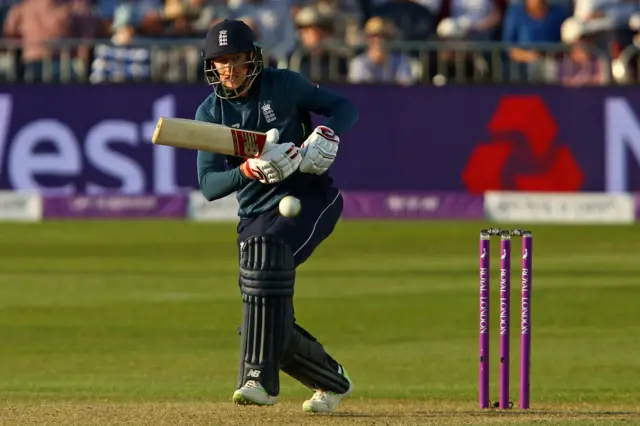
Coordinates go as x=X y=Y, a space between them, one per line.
x=572 y=42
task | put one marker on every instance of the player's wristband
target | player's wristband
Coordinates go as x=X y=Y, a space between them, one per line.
x=249 y=173
x=246 y=171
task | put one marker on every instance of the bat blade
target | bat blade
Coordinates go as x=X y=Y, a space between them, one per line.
x=192 y=134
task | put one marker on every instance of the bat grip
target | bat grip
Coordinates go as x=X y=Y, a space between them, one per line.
x=267 y=147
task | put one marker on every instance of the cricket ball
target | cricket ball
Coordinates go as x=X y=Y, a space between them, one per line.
x=289 y=206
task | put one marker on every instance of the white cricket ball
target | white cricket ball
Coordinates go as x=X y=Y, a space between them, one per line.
x=289 y=206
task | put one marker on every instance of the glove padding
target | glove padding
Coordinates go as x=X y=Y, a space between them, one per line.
x=319 y=151
x=276 y=163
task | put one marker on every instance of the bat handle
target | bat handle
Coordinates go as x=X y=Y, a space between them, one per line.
x=267 y=147
x=271 y=139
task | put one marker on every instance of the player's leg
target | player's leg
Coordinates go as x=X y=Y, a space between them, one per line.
x=307 y=361
x=267 y=274
x=305 y=358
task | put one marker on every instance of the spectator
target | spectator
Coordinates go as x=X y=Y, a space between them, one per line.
x=6 y=55
x=348 y=17
x=266 y=58
x=625 y=67
x=4 y=9
x=610 y=19
x=318 y=57
x=120 y=61
x=206 y=13
x=473 y=20
x=378 y=64
x=273 y=20
x=104 y=12
x=37 y=22
x=478 y=20
x=147 y=14
x=192 y=18
x=433 y=6
x=599 y=15
x=413 y=21
x=580 y=67
x=535 y=21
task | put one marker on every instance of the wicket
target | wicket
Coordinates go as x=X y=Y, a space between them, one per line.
x=505 y=308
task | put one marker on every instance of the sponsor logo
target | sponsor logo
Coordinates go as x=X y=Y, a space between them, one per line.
x=523 y=153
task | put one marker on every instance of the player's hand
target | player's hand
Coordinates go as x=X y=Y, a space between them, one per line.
x=319 y=151
x=274 y=165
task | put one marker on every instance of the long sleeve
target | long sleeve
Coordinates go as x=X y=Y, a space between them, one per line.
x=510 y=25
x=213 y=177
x=340 y=112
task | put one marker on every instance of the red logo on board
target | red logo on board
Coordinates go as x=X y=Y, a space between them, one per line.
x=523 y=154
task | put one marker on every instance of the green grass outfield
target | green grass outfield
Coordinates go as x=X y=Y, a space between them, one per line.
x=109 y=322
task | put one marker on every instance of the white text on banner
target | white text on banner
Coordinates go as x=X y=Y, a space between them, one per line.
x=20 y=207
x=566 y=208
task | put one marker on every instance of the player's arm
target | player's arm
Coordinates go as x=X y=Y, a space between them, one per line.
x=214 y=179
x=340 y=112
x=321 y=147
x=273 y=166
x=13 y=22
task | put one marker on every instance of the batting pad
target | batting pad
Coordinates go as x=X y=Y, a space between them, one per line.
x=267 y=276
x=306 y=361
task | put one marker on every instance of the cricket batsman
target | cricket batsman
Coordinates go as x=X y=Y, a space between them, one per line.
x=250 y=96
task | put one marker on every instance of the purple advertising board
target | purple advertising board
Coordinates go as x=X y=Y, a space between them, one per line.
x=115 y=207
x=413 y=205
x=95 y=139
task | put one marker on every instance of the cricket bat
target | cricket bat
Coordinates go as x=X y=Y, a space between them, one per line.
x=192 y=134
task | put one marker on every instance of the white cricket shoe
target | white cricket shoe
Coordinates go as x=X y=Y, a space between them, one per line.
x=252 y=393
x=325 y=401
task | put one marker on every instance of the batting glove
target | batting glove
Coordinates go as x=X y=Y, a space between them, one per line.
x=319 y=151
x=274 y=165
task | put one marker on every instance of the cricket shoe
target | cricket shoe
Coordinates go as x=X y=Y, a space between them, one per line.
x=252 y=393
x=326 y=401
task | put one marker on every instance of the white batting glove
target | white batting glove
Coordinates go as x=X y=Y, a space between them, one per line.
x=319 y=151
x=274 y=165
